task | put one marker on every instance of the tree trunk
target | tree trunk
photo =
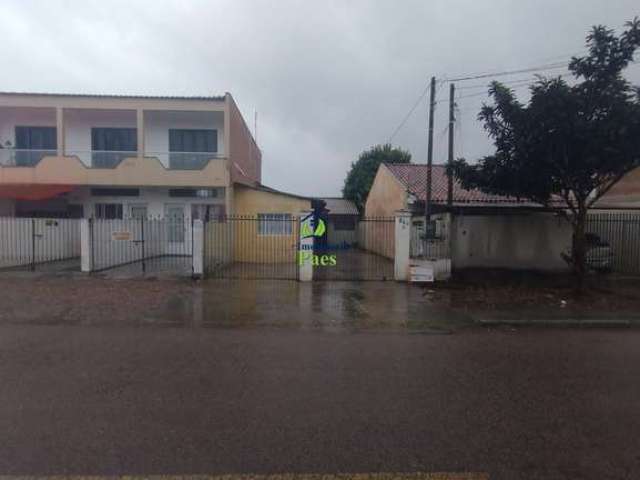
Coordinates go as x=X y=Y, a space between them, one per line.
x=579 y=248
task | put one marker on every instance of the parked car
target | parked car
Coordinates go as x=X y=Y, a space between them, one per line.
x=599 y=253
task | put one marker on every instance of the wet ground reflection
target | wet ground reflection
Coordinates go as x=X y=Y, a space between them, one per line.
x=317 y=305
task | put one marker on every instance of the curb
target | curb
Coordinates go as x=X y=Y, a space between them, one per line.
x=568 y=322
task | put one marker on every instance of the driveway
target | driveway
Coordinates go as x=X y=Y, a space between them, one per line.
x=346 y=384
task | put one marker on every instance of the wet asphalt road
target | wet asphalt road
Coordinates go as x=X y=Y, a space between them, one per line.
x=155 y=399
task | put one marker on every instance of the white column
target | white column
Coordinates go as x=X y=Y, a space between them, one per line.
x=60 y=131
x=140 y=131
x=305 y=248
x=86 y=255
x=198 y=248
x=402 y=245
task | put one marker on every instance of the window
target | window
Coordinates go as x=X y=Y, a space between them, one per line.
x=193 y=192
x=36 y=138
x=114 y=139
x=108 y=211
x=111 y=145
x=344 y=222
x=191 y=149
x=115 y=192
x=207 y=212
x=138 y=211
x=274 y=224
x=33 y=143
x=193 y=140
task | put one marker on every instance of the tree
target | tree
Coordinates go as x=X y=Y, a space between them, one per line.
x=360 y=177
x=571 y=143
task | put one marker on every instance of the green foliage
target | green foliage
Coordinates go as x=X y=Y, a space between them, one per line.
x=570 y=143
x=360 y=177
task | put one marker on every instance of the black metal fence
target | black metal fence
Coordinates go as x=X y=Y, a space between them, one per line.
x=613 y=241
x=39 y=243
x=144 y=245
x=252 y=246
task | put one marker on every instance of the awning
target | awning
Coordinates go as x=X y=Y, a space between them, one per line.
x=33 y=192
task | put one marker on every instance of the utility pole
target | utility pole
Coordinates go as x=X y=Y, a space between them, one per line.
x=452 y=120
x=427 y=206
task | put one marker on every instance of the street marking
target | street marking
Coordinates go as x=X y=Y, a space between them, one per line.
x=279 y=476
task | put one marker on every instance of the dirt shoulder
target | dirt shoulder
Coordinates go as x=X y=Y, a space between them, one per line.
x=539 y=298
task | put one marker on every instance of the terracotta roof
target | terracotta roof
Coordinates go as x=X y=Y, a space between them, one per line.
x=101 y=95
x=414 y=177
x=264 y=188
x=340 y=206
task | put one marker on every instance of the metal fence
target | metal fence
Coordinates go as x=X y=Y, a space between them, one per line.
x=251 y=247
x=370 y=257
x=434 y=245
x=613 y=241
x=39 y=243
x=145 y=245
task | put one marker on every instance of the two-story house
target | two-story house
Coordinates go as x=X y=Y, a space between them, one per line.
x=107 y=156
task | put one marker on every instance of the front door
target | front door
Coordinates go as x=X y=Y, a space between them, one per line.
x=176 y=228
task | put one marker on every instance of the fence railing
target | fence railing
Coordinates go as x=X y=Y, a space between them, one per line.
x=27 y=243
x=184 y=160
x=237 y=246
x=13 y=157
x=613 y=241
x=149 y=244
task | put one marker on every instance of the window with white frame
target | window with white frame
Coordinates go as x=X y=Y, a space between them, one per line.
x=274 y=224
x=138 y=211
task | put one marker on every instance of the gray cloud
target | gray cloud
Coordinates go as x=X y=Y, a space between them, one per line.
x=328 y=79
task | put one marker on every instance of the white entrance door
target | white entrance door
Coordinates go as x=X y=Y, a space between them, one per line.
x=176 y=228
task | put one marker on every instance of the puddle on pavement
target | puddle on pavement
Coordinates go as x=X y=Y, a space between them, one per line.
x=325 y=306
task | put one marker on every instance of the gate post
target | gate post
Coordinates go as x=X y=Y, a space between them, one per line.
x=86 y=245
x=197 y=253
x=304 y=253
x=402 y=245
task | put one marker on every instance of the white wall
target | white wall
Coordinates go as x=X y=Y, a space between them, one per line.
x=158 y=123
x=154 y=198
x=521 y=241
x=34 y=117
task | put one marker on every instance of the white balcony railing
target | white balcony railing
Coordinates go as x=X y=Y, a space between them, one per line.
x=109 y=159
x=101 y=158
x=16 y=157
x=184 y=160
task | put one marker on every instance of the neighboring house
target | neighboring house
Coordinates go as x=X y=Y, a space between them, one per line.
x=341 y=217
x=108 y=156
x=113 y=157
x=477 y=229
x=624 y=194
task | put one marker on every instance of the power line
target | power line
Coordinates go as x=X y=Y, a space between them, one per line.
x=413 y=108
x=409 y=113
x=550 y=66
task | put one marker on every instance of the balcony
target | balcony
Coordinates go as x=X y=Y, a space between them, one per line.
x=24 y=157
x=90 y=146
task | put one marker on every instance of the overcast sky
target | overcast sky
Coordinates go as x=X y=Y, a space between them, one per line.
x=327 y=78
